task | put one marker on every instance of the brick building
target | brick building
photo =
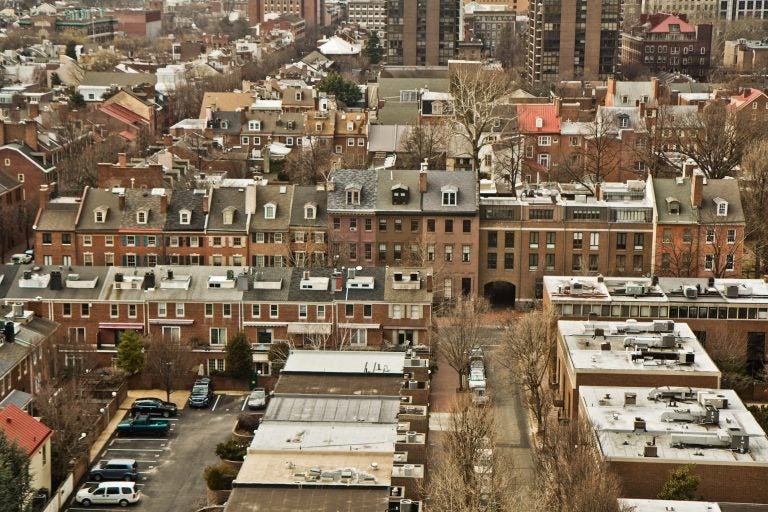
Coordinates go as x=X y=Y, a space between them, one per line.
x=206 y=306
x=627 y=354
x=731 y=311
x=644 y=433
x=422 y=33
x=664 y=42
x=746 y=56
x=141 y=23
x=18 y=162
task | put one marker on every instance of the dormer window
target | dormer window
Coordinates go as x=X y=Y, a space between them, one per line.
x=673 y=206
x=269 y=210
x=185 y=216
x=722 y=207
x=254 y=126
x=353 y=194
x=100 y=215
x=310 y=211
x=450 y=195
x=623 y=121
x=400 y=194
x=350 y=126
x=228 y=215
x=298 y=96
x=141 y=216
x=224 y=124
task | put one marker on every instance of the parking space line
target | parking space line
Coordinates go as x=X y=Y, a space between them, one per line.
x=134 y=450
x=245 y=401
x=218 y=397
x=129 y=439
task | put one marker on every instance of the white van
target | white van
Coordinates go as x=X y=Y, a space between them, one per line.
x=109 y=493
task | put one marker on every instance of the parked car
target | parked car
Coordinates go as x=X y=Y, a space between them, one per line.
x=257 y=399
x=202 y=393
x=109 y=493
x=114 y=469
x=144 y=425
x=21 y=259
x=153 y=407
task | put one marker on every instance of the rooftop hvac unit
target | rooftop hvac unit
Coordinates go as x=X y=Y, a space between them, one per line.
x=55 y=282
x=411 y=436
x=732 y=291
x=740 y=443
x=635 y=289
x=690 y=292
x=407 y=506
x=663 y=325
x=710 y=398
x=667 y=341
x=650 y=450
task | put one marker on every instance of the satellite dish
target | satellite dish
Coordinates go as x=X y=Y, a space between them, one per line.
x=358 y=267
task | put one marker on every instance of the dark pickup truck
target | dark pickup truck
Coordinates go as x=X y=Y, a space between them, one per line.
x=144 y=425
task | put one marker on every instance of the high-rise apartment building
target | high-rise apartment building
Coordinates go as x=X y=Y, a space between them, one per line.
x=422 y=32
x=371 y=14
x=708 y=10
x=573 y=39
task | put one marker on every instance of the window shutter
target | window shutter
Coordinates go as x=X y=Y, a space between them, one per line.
x=146 y=241
x=405 y=308
x=125 y=243
x=145 y=258
x=125 y=260
x=391 y=311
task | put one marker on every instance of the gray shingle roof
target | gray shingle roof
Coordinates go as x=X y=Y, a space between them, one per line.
x=185 y=200
x=222 y=198
x=107 y=78
x=342 y=178
x=680 y=189
x=281 y=197
x=387 y=180
x=58 y=216
x=309 y=194
x=432 y=201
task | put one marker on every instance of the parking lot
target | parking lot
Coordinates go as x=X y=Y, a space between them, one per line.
x=171 y=468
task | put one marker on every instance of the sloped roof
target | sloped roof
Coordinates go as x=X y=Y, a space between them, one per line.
x=123 y=114
x=23 y=429
x=303 y=194
x=226 y=101
x=364 y=178
x=744 y=99
x=280 y=196
x=222 y=198
x=527 y=114
x=664 y=25
x=107 y=78
x=58 y=216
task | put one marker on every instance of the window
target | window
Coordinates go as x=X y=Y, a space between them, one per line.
x=639 y=241
x=226 y=310
x=336 y=223
x=398 y=251
x=540 y=214
x=414 y=225
x=710 y=236
x=687 y=236
x=269 y=211
x=448 y=252
x=544 y=160
x=449 y=196
x=368 y=224
x=141 y=217
x=509 y=261
x=430 y=225
x=509 y=239
x=320 y=312
x=573 y=140
x=551 y=237
x=109 y=241
x=274 y=310
x=666 y=236
x=466 y=226
x=353 y=224
x=594 y=241
x=382 y=252
x=309 y=212
x=578 y=239
x=245 y=140
x=358 y=336
x=709 y=262
x=339 y=149
x=382 y=224
x=492 y=239
x=179 y=309
x=289 y=141
x=550 y=261
x=431 y=252
x=621 y=262
x=350 y=141
x=623 y=121
x=448 y=226
x=533 y=261
x=576 y=262
x=731 y=236
x=132 y=310
x=114 y=310
x=637 y=263
x=218 y=336
x=353 y=196
x=722 y=207
x=162 y=309
x=303 y=309
x=367 y=310
x=533 y=240
x=466 y=251
x=66 y=239
x=729 y=262
x=47 y=238
x=216 y=365
x=398 y=224
x=87 y=240
x=171 y=333
x=448 y=288
x=349 y=310
x=109 y=259
x=491 y=263
x=545 y=140
x=208 y=310
x=85 y=310
x=593 y=262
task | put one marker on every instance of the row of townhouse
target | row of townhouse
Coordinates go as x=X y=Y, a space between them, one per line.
x=479 y=241
x=204 y=306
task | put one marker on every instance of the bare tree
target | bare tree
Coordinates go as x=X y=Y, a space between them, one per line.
x=424 y=142
x=311 y=163
x=570 y=475
x=169 y=361
x=716 y=139
x=476 y=92
x=470 y=474
x=458 y=330
x=597 y=157
x=509 y=165
x=528 y=347
x=754 y=196
x=724 y=246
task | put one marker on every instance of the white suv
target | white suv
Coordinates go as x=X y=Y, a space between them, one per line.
x=109 y=493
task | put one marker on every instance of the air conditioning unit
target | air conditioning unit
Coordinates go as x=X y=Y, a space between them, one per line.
x=690 y=292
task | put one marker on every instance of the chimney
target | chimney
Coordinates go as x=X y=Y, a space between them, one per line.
x=338 y=282
x=2 y=133
x=429 y=283
x=250 y=199
x=206 y=203
x=33 y=110
x=167 y=140
x=598 y=192
x=611 y=88
x=121 y=201
x=121 y=159
x=423 y=178
x=557 y=105
x=30 y=135
x=697 y=190
x=655 y=89
x=164 y=203
x=45 y=195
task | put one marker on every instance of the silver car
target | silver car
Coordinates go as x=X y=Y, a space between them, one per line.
x=257 y=399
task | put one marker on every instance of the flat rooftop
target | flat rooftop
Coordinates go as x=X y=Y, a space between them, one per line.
x=302 y=436
x=307 y=499
x=631 y=346
x=340 y=384
x=685 y=425
x=338 y=409
x=280 y=467
x=363 y=362
x=634 y=505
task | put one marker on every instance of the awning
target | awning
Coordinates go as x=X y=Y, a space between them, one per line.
x=359 y=326
x=121 y=325
x=265 y=324
x=262 y=357
x=171 y=321
x=17 y=397
x=309 y=328
x=406 y=327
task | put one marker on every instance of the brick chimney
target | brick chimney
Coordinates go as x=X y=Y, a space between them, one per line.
x=206 y=205
x=655 y=88
x=2 y=133
x=30 y=135
x=338 y=280
x=611 y=89
x=697 y=189
x=164 y=203
x=45 y=194
x=423 y=177
x=167 y=140
x=121 y=201
x=122 y=159
x=33 y=110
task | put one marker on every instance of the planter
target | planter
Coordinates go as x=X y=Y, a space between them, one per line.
x=217 y=497
x=241 y=436
x=234 y=464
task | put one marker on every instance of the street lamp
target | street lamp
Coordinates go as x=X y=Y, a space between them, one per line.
x=258 y=374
